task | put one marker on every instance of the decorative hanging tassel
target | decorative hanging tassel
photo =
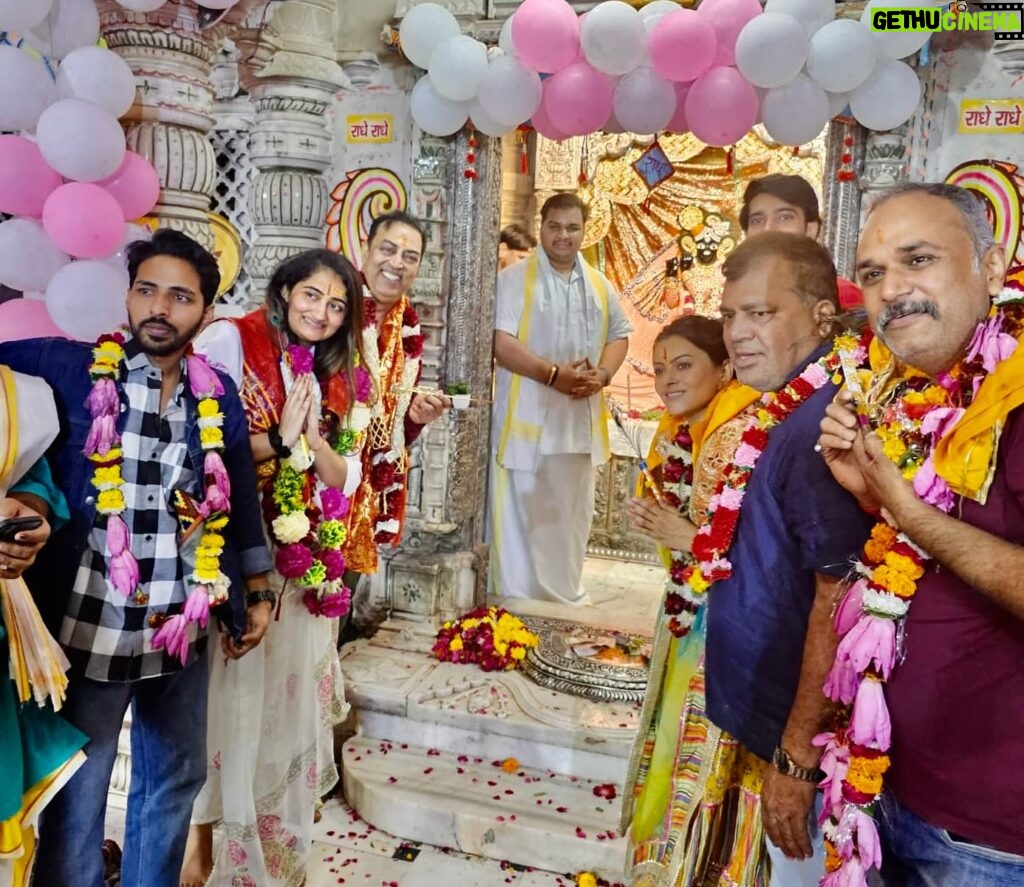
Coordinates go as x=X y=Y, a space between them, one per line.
x=470 y=172
x=728 y=161
x=522 y=134
x=845 y=172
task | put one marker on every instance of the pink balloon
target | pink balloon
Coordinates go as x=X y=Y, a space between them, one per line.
x=578 y=99
x=546 y=34
x=541 y=121
x=26 y=319
x=678 y=122
x=682 y=45
x=721 y=107
x=135 y=186
x=83 y=220
x=728 y=18
x=26 y=179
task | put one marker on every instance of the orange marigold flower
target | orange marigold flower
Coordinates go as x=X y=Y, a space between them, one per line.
x=894 y=581
x=904 y=565
x=510 y=765
x=865 y=774
x=833 y=861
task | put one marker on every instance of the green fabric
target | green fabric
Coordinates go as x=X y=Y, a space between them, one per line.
x=34 y=742
x=38 y=481
x=681 y=665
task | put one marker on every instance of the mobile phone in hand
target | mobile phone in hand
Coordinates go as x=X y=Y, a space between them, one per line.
x=11 y=526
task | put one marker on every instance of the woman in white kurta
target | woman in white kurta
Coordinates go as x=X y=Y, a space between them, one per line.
x=272 y=713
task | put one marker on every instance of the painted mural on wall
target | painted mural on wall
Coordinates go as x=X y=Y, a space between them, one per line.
x=358 y=199
x=1000 y=183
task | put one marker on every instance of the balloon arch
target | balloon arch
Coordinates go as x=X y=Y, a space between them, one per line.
x=715 y=71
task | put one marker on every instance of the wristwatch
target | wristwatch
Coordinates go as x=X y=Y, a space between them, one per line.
x=258 y=597
x=785 y=765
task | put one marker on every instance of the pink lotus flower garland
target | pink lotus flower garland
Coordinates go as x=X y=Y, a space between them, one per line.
x=877 y=601
x=209 y=586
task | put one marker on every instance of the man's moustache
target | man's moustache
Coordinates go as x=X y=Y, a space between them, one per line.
x=905 y=309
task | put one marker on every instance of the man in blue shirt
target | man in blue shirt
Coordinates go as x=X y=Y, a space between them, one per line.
x=797 y=534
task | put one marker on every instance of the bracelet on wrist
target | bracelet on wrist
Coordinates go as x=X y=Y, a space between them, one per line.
x=276 y=443
x=552 y=375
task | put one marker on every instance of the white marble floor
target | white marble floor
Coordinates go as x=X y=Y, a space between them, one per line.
x=349 y=851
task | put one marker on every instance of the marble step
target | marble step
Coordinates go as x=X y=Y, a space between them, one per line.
x=531 y=817
x=409 y=697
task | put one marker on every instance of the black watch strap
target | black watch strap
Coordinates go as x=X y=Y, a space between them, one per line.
x=258 y=597
x=276 y=444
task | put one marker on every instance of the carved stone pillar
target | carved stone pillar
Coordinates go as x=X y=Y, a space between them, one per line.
x=291 y=139
x=440 y=569
x=841 y=196
x=172 y=114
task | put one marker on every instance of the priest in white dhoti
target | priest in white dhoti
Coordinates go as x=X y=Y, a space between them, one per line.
x=560 y=335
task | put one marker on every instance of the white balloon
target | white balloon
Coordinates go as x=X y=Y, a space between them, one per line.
x=86 y=299
x=99 y=76
x=424 y=28
x=509 y=92
x=771 y=49
x=433 y=113
x=896 y=44
x=119 y=258
x=653 y=12
x=888 y=98
x=613 y=37
x=644 y=102
x=841 y=56
x=28 y=258
x=837 y=102
x=141 y=5
x=812 y=14
x=20 y=15
x=796 y=113
x=457 y=66
x=487 y=124
x=72 y=23
x=80 y=140
x=26 y=89
x=505 y=38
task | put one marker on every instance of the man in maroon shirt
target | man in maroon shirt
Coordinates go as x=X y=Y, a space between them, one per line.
x=953 y=810
x=779 y=202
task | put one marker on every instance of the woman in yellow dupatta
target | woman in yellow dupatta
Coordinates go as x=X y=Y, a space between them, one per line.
x=39 y=749
x=679 y=754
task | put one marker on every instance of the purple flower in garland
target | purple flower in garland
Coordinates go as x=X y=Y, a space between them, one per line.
x=333 y=503
x=300 y=359
x=293 y=561
x=334 y=563
x=364 y=384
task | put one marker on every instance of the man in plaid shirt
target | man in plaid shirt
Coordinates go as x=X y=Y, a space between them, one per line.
x=108 y=638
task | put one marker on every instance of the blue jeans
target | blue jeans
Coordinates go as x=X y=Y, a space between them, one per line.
x=168 y=742
x=916 y=854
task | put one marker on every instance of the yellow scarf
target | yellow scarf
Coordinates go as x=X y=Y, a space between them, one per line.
x=965 y=458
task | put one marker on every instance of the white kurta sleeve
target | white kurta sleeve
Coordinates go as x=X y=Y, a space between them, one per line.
x=221 y=343
x=619 y=326
x=508 y=308
x=354 y=475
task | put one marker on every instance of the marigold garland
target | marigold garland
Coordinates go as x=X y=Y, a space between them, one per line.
x=305 y=518
x=490 y=637
x=681 y=603
x=692 y=579
x=209 y=586
x=915 y=413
